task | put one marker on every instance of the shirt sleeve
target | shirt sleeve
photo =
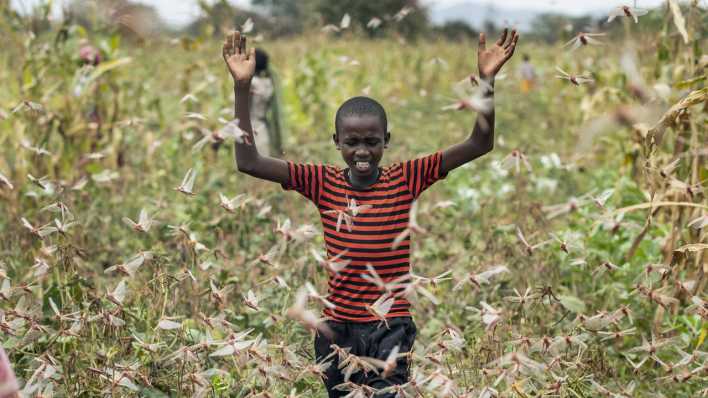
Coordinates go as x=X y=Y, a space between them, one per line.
x=423 y=172
x=306 y=179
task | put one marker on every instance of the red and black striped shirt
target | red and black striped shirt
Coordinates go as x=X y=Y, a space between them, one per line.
x=373 y=230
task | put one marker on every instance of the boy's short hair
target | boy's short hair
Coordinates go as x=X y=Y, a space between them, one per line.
x=360 y=106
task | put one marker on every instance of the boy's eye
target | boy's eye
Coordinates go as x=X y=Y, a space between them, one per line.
x=369 y=142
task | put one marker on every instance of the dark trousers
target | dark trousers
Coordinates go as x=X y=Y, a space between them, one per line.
x=371 y=339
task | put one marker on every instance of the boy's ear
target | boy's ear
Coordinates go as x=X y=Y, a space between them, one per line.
x=387 y=138
x=334 y=139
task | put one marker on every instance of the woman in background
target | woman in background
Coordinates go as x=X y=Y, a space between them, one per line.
x=263 y=100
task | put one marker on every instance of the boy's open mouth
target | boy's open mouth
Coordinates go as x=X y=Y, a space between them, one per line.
x=362 y=167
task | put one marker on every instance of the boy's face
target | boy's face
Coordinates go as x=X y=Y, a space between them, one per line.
x=362 y=140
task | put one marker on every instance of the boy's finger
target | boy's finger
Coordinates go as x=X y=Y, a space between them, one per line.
x=511 y=39
x=502 y=38
x=252 y=53
x=510 y=50
x=234 y=41
x=513 y=42
x=228 y=50
x=482 y=41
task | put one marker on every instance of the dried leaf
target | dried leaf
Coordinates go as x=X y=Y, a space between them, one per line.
x=693 y=247
x=656 y=133
x=679 y=21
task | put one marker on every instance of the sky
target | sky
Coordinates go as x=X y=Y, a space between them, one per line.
x=181 y=12
x=566 y=6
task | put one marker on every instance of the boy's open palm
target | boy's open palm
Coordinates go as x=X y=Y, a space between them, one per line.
x=490 y=60
x=241 y=63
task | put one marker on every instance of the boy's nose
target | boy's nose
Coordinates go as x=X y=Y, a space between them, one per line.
x=361 y=152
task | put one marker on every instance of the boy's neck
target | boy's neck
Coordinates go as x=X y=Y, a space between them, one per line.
x=362 y=183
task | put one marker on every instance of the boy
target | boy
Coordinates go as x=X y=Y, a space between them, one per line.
x=374 y=203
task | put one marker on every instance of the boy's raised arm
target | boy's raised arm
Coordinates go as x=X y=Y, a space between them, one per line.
x=481 y=141
x=242 y=66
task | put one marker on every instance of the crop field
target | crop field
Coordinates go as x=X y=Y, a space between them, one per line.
x=568 y=262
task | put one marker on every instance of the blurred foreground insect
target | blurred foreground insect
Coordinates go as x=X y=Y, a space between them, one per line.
x=131 y=266
x=230 y=131
x=522 y=299
x=333 y=264
x=42 y=231
x=490 y=315
x=313 y=294
x=24 y=143
x=343 y=24
x=515 y=160
x=627 y=11
x=187 y=185
x=529 y=248
x=389 y=364
x=381 y=307
x=144 y=222
x=482 y=278
x=307 y=318
x=373 y=277
x=373 y=23
x=6 y=181
x=575 y=79
x=346 y=214
x=573 y=204
x=402 y=13
x=470 y=97
x=698 y=223
x=412 y=227
x=118 y=294
x=247 y=26
x=251 y=300
x=583 y=39
x=231 y=204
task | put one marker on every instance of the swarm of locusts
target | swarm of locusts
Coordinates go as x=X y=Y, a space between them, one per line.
x=570 y=262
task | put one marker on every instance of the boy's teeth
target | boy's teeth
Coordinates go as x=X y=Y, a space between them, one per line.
x=362 y=165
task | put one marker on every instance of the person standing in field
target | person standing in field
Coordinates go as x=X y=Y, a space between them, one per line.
x=376 y=202
x=89 y=58
x=527 y=74
x=264 y=99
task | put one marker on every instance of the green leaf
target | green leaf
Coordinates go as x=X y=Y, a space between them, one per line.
x=114 y=43
x=690 y=82
x=663 y=53
x=78 y=30
x=572 y=303
x=152 y=393
x=27 y=79
x=107 y=66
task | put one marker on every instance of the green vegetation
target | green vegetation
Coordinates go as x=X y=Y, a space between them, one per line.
x=615 y=278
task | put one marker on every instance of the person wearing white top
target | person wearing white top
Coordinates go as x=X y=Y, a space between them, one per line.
x=264 y=99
